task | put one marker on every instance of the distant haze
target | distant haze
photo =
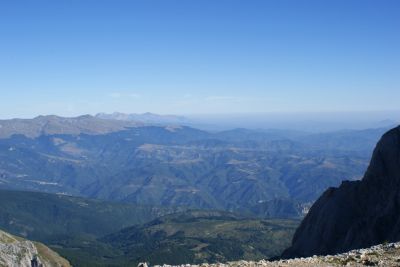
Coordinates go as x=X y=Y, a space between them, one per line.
x=309 y=122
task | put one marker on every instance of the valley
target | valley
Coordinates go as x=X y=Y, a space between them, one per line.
x=98 y=233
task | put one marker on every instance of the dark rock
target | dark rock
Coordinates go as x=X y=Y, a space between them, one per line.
x=359 y=213
x=35 y=262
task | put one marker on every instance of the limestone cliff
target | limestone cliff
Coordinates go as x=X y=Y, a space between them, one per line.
x=359 y=213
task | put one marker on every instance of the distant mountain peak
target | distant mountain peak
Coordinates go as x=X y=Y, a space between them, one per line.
x=147 y=117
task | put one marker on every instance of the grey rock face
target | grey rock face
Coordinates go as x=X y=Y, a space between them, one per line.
x=359 y=213
x=18 y=252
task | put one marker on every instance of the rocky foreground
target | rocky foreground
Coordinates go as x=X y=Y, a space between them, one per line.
x=381 y=255
x=19 y=252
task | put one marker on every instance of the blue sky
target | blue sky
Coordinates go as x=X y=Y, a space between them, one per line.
x=198 y=56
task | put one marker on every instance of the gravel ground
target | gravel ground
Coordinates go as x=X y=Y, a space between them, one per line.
x=380 y=255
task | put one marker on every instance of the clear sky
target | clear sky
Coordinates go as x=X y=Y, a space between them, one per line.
x=198 y=56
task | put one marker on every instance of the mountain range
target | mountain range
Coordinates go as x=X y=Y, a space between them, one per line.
x=267 y=173
x=48 y=125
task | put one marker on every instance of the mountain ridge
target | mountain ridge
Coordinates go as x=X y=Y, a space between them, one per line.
x=52 y=124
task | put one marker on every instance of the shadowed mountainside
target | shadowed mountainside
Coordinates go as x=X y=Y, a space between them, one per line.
x=75 y=228
x=202 y=236
x=51 y=218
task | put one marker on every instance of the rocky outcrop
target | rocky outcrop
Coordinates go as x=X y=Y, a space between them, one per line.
x=359 y=213
x=18 y=252
x=382 y=255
